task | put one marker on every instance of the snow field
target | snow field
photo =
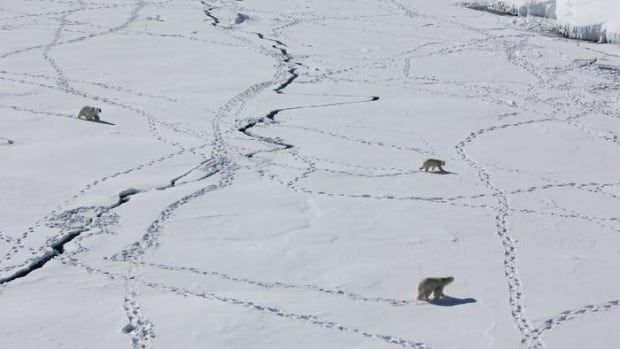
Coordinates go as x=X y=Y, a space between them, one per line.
x=279 y=200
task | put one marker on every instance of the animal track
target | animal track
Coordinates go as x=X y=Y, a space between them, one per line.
x=572 y=314
x=502 y=229
x=276 y=284
x=141 y=330
x=133 y=309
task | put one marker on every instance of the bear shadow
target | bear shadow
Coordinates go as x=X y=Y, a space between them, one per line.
x=103 y=122
x=447 y=301
x=444 y=172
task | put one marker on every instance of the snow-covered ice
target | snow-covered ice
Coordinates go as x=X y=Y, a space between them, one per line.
x=256 y=183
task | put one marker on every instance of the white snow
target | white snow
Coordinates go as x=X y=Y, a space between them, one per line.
x=596 y=20
x=592 y=20
x=258 y=185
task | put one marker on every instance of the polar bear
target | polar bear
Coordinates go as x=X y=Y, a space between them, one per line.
x=89 y=113
x=432 y=164
x=434 y=286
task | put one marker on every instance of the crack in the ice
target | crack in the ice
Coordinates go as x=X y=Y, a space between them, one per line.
x=57 y=248
x=207 y=11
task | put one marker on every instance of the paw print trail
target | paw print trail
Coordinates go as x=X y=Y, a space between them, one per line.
x=277 y=284
x=573 y=314
x=511 y=272
x=142 y=330
x=133 y=309
x=61 y=81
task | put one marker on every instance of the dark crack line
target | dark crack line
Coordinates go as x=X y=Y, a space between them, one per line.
x=271 y=116
x=294 y=75
x=173 y=182
x=261 y=36
x=57 y=248
x=207 y=12
x=287 y=58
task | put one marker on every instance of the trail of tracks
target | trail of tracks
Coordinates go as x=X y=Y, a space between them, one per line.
x=572 y=314
x=61 y=79
x=284 y=285
x=312 y=320
x=510 y=250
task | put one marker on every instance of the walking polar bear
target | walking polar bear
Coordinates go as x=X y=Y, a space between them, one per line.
x=434 y=286
x=432 y=164
x=89 y=113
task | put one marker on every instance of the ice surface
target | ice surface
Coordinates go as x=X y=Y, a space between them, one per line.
x=258 y=185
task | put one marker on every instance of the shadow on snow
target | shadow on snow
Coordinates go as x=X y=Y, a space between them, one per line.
x=447 y=301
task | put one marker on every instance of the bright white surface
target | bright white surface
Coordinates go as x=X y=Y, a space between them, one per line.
x=591 y=13
x=320 y=245
x=593 y=20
